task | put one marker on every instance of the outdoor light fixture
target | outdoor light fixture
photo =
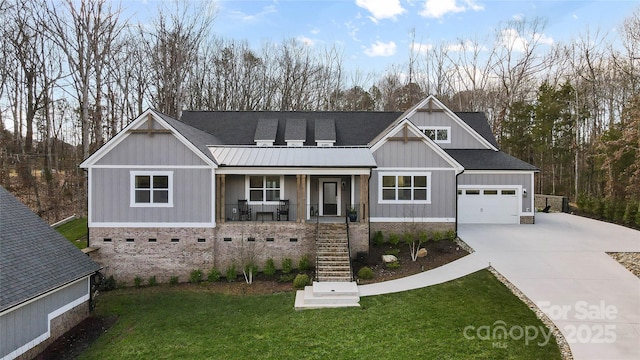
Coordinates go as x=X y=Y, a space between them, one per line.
x=524 y=192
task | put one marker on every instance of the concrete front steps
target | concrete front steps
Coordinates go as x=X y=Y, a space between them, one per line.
x=332 y=249
x=328 y=295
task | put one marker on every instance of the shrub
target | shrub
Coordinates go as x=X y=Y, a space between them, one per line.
x=450 y=234
x=598 y=208
x=195 y=276
x=152 y=281
x=286 y=278
x=630 y=212
x=423 y=236
x=214 y=275
x=437 y=236
x=365 y=273
x=393 y=252
x=609 y=210
x=232 y=272
x=173 y=280
x=137 y=281
x=107 y=284
x=394 y=239
x=638 y=215
x=621 y=207
x=251 y=268
x=303 y=264
x=378 y=238
x=407 y=237
x=300 y=281
x=270 y=267
x=287 y=266
x=393 y=265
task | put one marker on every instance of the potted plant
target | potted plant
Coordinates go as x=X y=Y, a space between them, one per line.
x=353 y=214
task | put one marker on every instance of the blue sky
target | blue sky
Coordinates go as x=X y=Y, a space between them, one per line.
x=374 y=34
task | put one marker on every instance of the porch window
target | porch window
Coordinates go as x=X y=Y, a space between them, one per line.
x=151 y=189
x=405 y=188
x=265 y=188
x=439 y=134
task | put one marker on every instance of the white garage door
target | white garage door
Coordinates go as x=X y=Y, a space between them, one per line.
x=488 y=206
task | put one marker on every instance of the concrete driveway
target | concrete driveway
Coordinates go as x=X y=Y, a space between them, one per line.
x=560 y=263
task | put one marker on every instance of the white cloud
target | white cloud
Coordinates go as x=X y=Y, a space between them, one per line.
x=270 y=9
x=305 y=40
x=381 y=9
x=381 y=49
x=315 y=31
x=439 y=8
x=510 y=38
x=420 y=48
x=352 y=30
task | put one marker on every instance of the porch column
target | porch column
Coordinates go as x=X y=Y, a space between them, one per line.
x=220 y=199
x=301 y=198
x=364 y=198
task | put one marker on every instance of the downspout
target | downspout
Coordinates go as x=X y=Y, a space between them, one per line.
x=456 y=225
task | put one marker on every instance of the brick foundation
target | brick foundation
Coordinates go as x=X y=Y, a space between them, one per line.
x=527 y=220
x=399 y=228
x=59 y=325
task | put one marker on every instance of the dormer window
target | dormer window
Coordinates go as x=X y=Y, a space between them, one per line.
x=439 y=134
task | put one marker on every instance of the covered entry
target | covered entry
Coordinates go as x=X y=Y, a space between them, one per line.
x=482 y=205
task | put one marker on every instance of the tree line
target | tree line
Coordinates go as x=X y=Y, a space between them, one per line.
x=74 y=73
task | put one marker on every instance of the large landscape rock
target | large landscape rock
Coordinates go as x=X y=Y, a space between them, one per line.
x=422 y=252
x=389 y=258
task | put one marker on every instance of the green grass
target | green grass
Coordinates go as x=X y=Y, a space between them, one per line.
x=195 y=323
x=75 y=230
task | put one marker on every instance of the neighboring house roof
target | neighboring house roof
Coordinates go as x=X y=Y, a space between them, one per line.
x=352 y=128
x=485 y=159
x=279 y=156
x=34 y=258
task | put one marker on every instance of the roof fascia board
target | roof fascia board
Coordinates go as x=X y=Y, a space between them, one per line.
x=124 y=133
x=437 y=149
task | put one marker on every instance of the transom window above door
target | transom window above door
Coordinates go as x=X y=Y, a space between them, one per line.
x=439 y=134
x=264 y=188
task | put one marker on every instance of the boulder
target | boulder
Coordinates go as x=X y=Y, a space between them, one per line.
x=389 y=258
x=422 y=252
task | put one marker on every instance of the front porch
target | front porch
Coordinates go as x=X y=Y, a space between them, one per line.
x=291 y=198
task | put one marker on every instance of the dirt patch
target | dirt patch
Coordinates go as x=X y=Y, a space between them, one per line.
x=75 y=341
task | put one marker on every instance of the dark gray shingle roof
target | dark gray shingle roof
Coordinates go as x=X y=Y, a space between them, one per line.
x=34 y=258
x=478 y=122
x=296 y=129
x=352 y=128
x=325 y=130
x=480 y=159
x=198 y=138
x=266 y=130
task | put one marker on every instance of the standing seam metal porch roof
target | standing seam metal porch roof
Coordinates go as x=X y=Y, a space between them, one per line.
x=279 y=156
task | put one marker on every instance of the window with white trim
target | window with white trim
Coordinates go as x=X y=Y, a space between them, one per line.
x=264 y=188
x=151 y=189
x=405 y=188
x=439 y=134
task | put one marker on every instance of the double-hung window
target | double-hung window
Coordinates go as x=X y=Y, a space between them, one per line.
x=439 y=134
x=405 y=188
x=151 y=189
x=265 y=188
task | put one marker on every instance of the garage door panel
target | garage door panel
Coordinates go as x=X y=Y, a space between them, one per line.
x=488 y=206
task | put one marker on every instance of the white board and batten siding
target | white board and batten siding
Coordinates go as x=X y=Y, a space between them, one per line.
x=33 y=318
x=460 y=138
x=494 y=197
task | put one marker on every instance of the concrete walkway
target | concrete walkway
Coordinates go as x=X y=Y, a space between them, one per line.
x=560 y=264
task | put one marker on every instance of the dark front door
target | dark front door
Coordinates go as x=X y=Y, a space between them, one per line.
x=330 y=198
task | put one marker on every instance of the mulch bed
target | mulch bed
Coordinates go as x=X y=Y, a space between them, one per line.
x=78 y=339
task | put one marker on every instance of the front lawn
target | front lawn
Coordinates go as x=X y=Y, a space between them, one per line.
x=75 y=231
x=195 y=322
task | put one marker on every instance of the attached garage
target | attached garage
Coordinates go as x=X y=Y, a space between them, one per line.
x=482 y=205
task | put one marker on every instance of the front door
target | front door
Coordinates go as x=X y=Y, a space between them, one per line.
x=330 y=198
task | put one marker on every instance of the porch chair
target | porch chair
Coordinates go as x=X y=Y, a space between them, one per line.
x=244 y=211
x=283 y=209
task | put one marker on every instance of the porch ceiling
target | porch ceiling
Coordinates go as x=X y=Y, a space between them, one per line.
x=283 y=157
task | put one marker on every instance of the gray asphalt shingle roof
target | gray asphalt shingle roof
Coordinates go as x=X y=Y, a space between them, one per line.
x=480 y=159
x=266 y=130
x=34 y=258
x=325 y=130
x=296 y=129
